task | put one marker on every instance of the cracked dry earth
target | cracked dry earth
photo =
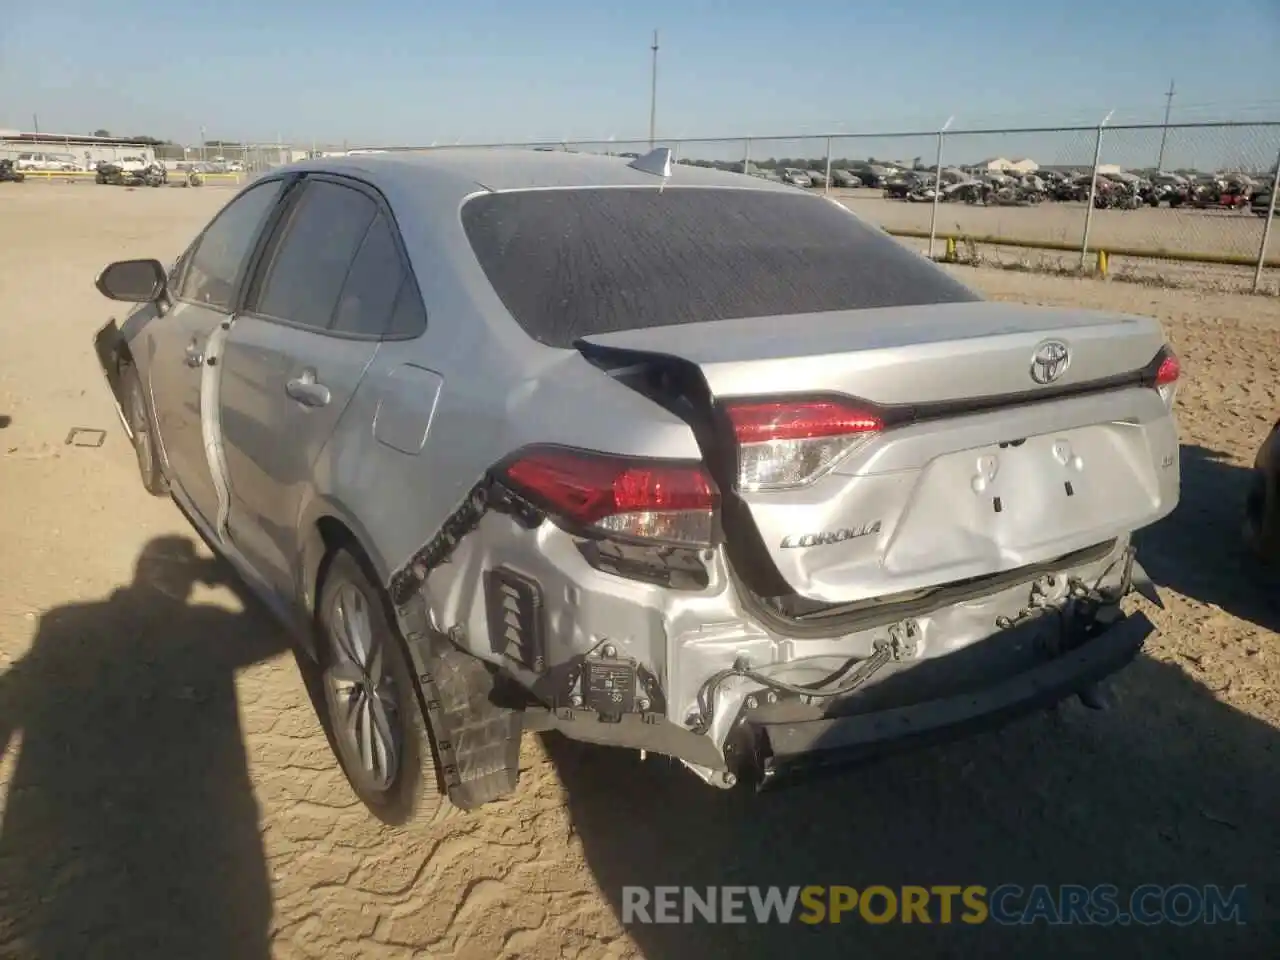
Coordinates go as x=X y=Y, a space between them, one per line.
x=166 y=791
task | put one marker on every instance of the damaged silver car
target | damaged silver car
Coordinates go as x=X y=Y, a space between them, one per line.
x=654 y=456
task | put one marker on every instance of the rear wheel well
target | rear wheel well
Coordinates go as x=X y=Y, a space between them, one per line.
x=332 y=535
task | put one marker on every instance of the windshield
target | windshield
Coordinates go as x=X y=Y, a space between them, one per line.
x=571 y=263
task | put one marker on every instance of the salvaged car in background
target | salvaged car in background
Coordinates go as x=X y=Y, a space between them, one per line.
x=846 y=179
x=722 y=473
x=1229 y=193
x=132 y=172
x=796 y=177
x=903 y=185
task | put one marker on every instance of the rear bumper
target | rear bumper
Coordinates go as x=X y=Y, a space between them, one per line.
x=787 y=749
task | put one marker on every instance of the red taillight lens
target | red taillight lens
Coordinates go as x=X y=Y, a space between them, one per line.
x=756 y=422
x=1169 y=370
x=784 y=444
x=644 y=499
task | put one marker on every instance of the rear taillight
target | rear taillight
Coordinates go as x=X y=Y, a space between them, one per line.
x=648 y=500
x=1168 y=369
x=784 y=444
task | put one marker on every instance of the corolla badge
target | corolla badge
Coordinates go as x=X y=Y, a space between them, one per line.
x=1050 y=361
x=792 y=540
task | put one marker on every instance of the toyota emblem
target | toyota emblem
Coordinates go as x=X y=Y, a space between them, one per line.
x=1050 y=361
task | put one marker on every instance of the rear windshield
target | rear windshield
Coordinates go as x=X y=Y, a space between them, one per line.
x=571 y=263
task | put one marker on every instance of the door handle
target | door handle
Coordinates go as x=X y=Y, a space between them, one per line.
x=195 y=356
x=307 y=391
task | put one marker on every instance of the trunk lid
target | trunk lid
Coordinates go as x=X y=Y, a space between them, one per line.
x=979 y=437
x=900 y=355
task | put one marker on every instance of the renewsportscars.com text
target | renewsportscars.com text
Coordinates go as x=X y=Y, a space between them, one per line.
x=1007 y=904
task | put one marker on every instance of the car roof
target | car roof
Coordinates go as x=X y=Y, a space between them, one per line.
x=463 y=171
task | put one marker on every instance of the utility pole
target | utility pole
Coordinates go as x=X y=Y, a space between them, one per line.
x=1164 y=134
x=653 y=91
x=35 y=122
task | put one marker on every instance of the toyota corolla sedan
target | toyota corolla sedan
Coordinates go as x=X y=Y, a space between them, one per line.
x=655 y=456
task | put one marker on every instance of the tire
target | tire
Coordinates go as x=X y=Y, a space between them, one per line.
x=138 y=412
x=402 y=783
x=1262 y=517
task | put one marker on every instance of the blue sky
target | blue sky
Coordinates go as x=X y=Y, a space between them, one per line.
x=414 y=71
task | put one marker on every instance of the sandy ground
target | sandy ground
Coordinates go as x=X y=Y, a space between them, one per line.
x=166 y=791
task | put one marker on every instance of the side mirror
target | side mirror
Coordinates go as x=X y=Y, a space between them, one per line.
x=133 y=281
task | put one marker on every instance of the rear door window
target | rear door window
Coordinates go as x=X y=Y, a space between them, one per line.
x=376 y=283
x=571 y=263
x=309 y=268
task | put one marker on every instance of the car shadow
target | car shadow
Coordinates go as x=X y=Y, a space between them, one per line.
x=1199 y=551
x=1169 y=786
x=130 y=827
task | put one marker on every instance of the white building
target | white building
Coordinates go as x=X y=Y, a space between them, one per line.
x=1001 y=165
x=84 y=151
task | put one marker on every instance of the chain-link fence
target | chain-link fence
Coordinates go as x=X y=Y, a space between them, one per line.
x=1174 y=197
x=1170 y=197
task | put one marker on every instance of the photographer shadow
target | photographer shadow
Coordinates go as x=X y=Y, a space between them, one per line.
x=1199 y=550
x=130 y=827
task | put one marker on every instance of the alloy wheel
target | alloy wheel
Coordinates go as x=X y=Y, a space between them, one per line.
x=363 y=703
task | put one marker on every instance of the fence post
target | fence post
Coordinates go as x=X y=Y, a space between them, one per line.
x=1266 y=230
x=746 y=155
x=937 y=189
x=826 y=187
x=1093 y=191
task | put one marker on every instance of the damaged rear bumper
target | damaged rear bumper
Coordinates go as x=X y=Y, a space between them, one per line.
x=692 y=674
x=786 y=749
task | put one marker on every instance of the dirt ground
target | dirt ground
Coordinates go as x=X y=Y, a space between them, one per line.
x=1236 y=233
x=166 y=791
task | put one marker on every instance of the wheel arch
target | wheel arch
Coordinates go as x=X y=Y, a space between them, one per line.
x=327 y=528
x=114 y=354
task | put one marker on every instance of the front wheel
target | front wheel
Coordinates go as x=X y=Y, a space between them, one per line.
x=371 y=709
